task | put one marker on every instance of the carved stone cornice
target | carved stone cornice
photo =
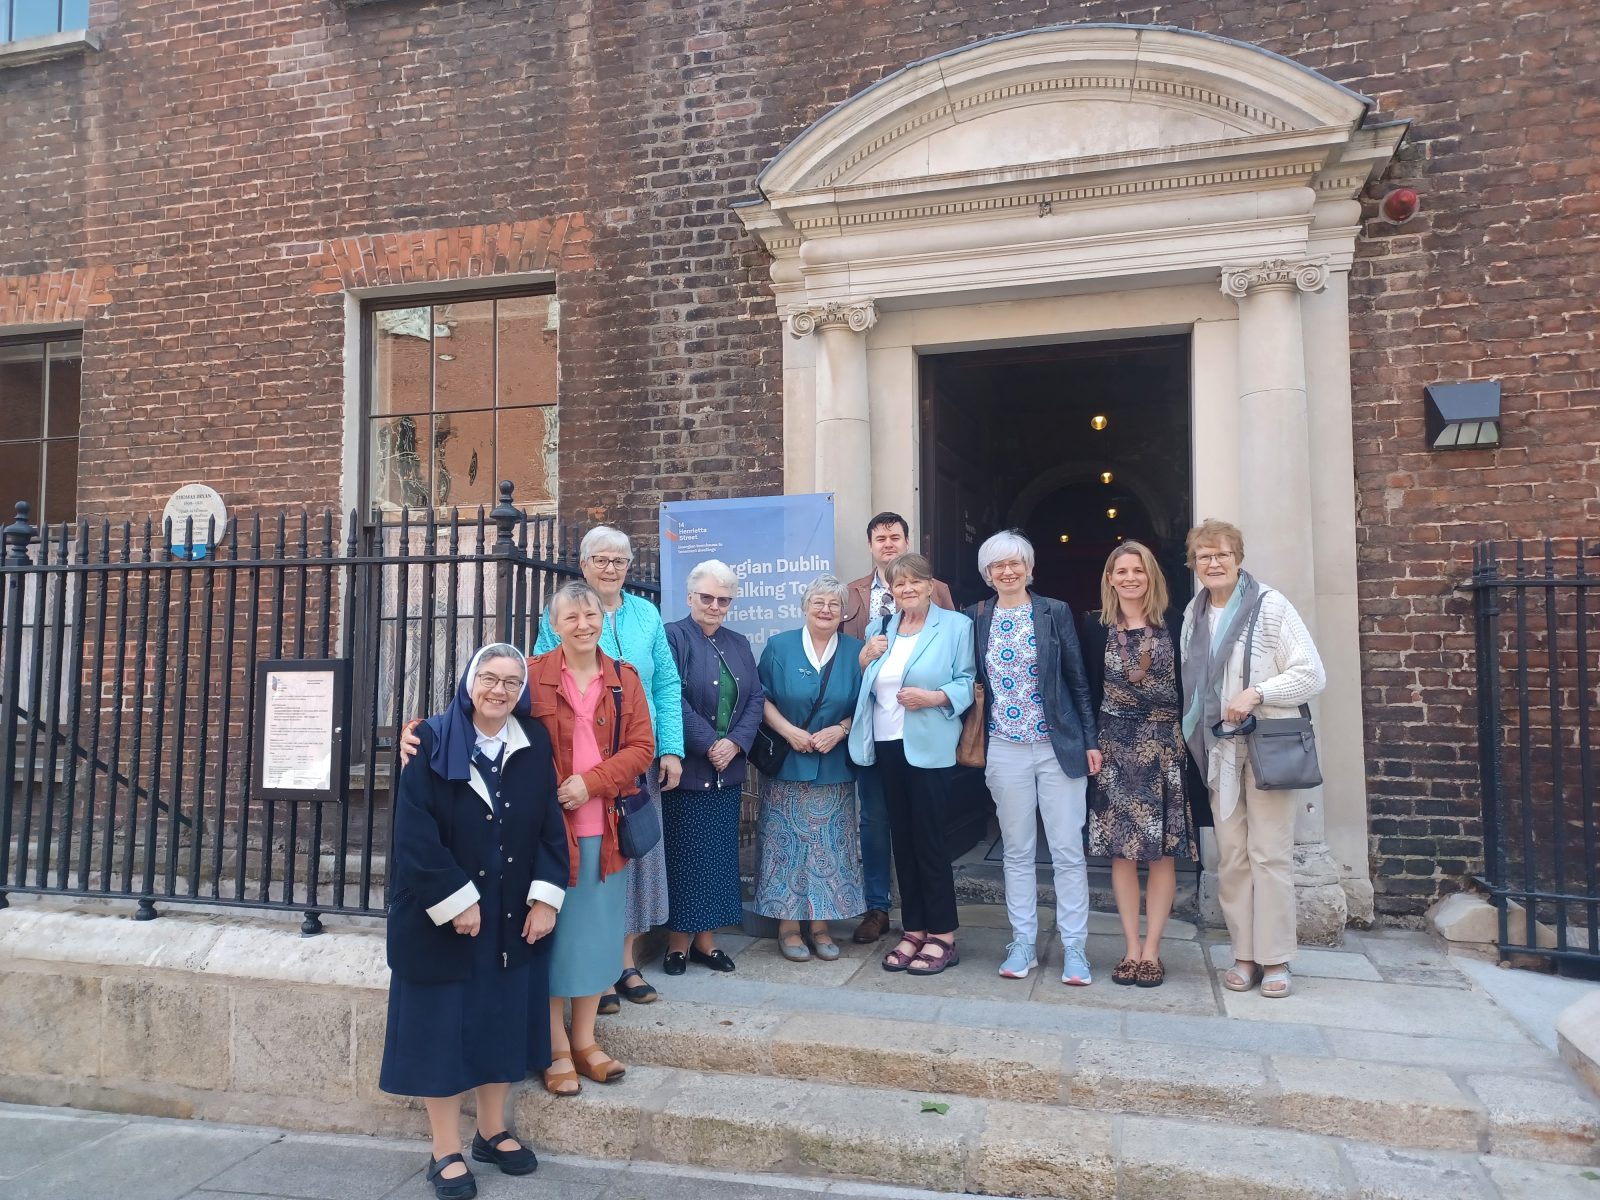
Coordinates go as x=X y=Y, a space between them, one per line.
x=1306 y=274
x=856 y=315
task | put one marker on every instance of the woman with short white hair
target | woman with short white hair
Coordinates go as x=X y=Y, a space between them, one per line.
x=1040 y=748
x=631 y=632
x=722 y=704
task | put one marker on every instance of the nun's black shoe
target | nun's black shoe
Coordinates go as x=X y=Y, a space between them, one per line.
x=518 y=1161
x=462 y=1187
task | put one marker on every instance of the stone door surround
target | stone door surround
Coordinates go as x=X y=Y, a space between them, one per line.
x=1102 y=180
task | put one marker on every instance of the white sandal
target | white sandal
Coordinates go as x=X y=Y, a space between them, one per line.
x=1277 y=983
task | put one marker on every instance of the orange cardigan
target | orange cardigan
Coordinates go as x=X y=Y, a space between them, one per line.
x=618 y=773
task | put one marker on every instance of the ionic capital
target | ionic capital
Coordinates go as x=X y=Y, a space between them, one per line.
x=1306 y=274
x=856 y=315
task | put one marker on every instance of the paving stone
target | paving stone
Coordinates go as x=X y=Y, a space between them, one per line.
x=1110 y=925
x=1047 y=1018
x=762 y=961
x=155 y=1161
x=26 y=1140
x=699 y=1037
x=1222 y=1034
x=1383 y=1173
x=322 y=1170
x=1187 y=988
x=885 y=1135
x=1312 y=962
x=1151 y=1077
x=1384 y=1007
x=968 y=1062
x=1404 y=1105
x=1539 y=1118
x=726 y=1121
x=1162 y=1158
x=1028 y=1151
x=974 y=977
x=1521 y=1180
x=1405 y=956
x=1445 y=1053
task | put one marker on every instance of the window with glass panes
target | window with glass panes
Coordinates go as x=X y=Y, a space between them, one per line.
x=461 y=393
x=21 y=19
x=39 y=384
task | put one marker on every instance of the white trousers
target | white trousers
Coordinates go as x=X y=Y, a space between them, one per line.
x=1024 y=778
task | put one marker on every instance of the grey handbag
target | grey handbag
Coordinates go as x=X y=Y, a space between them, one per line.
x=1283 y=750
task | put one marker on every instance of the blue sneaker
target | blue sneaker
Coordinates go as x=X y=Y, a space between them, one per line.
x=1020 y=959
x=1075 y=968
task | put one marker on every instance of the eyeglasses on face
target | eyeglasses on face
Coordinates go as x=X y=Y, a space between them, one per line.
x=825 y=606
x=711 y=601
x=1219 y=556
x=495 y=683
x=610 y=564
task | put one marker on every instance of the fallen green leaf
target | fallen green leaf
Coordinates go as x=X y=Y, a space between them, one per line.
x=1589 y=1175
x=935 y=1106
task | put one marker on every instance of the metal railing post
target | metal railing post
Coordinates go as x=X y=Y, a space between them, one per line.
x=1486 y=606
x=505 y=516
x=18 y=535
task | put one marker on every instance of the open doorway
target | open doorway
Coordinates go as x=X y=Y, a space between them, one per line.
x=1080 y=446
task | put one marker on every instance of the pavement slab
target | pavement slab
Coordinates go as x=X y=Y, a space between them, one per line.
x=140 y=1162
x=29 y=1140
x=327 y=1170
x=1382 y=1007
x=1385 y=1173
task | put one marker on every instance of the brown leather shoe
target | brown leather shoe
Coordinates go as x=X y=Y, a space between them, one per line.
x=873 y=926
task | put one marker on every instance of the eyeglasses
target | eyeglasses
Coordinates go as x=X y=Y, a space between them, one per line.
x=825 y=606
x=711 y=601
x=611 y=564
x=494 y=683
x=1218 y=557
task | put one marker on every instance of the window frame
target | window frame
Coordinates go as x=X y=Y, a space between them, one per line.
x=45 y=339
x=8 y=23
x=366 y=508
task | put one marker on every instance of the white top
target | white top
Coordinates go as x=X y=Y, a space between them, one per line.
x=811 y=651
x=888 y=718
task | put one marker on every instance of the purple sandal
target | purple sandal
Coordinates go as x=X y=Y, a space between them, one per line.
x=926 y=964
x=896 y=961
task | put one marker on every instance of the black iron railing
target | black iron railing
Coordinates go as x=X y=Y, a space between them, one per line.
x=1538 y=667
x=128 y=699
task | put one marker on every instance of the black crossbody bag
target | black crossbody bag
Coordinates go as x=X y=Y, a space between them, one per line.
x=638 y=820
x=769 y=750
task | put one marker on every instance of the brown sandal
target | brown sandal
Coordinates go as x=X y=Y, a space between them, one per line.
x=897 y=960
x=1126 y=972
x=1150 y=974
x=596 y=1064
x=928 y=964
x=555 y=1082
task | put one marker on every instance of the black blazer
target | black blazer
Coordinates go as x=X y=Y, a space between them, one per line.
x=1093 y=636
x=442 y=843
x=1074 y=729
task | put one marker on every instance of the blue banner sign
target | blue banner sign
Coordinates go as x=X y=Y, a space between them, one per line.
x=776 y=545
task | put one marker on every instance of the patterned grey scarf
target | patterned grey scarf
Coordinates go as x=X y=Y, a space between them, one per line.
x=1205 y=666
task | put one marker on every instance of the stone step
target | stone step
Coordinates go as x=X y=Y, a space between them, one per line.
x=1403 y=1105
x=887 y=1133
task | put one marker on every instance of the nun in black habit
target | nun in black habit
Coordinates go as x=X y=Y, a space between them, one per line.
x=479 y=871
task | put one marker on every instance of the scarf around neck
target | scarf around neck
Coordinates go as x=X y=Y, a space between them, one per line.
x=1207 y=663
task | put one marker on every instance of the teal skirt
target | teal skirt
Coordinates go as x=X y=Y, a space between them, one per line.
x=586 y=947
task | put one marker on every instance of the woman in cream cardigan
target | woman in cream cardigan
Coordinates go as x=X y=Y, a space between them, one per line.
x=1255 y=828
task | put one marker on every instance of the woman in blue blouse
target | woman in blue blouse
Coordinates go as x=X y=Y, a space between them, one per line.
x=632 y=632
x=809 y=869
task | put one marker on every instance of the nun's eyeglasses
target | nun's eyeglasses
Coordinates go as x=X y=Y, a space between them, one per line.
x=494 y=683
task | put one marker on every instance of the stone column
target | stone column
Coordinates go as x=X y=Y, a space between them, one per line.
x=843 y=428
x=1275 y=490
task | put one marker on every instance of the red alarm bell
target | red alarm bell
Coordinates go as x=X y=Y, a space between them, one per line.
x=1399 y=206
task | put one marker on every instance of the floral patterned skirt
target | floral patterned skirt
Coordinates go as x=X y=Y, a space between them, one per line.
x=810 y=867
x=1138 y=809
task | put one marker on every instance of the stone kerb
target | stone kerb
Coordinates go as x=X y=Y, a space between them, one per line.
x=213 y=1018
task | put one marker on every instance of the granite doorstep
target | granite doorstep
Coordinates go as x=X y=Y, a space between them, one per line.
x=1405 y=1105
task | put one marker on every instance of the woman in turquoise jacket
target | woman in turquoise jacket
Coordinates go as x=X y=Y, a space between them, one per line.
x=632 y=632
x=917 y=683
x=809 y=868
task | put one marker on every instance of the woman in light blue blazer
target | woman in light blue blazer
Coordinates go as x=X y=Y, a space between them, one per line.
x=918 y=681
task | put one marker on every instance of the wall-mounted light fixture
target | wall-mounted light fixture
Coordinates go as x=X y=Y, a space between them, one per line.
x=1111 y=514
x=1462 y=416
x=1098 y=422
x=1105 y=476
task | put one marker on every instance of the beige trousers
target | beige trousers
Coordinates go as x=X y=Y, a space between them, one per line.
x=1255 y=872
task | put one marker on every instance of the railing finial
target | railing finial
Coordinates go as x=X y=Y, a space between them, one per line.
x=19 y=535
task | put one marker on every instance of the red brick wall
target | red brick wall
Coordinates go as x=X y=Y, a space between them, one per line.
x=212 y=153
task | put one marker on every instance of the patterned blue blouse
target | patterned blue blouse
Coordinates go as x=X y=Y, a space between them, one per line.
x=1012 y=659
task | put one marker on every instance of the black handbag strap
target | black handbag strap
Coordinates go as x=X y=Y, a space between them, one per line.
x=822 y=690
x=1249 y=651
